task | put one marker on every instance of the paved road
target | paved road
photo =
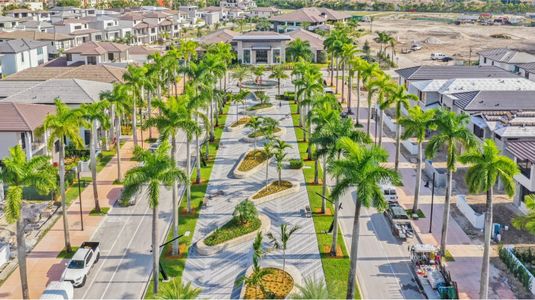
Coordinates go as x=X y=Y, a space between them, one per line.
x=125 y=264
x=216 y=274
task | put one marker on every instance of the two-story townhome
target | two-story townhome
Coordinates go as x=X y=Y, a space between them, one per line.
x=31 y=25
x=8 y=23
x=140 y=29
x=313 y=16
x=79 y=29
x=18 y=123
x=241 y=4
x=57 y=42
x=110 y=27
x=17 y=55
x=263 y=12
x=523 y=153
x=504 y=58
x=212 y=14
x=24 y=13
x=94 y=53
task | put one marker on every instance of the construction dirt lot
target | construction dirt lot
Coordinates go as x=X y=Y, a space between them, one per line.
x=456 y=41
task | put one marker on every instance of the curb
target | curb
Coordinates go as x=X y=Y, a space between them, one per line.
x=290 y=269
x=243 y=174
x=295 y=188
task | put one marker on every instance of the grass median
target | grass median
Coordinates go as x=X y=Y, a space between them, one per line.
x=336 y=269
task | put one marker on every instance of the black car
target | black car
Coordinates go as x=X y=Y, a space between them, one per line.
x=446 y=59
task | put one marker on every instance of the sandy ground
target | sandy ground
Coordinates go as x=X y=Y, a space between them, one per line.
x=452 y=40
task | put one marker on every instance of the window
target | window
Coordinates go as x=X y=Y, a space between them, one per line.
x=479 y=132
x=484 y=60
x=261 y=56
x=276 y=56
x=39 y=51
x=69 y=57
x=22 y=56
x=98 y=37
x=91 y=60
x=88 y=258
x=77 y=27
x=246 y=56
x=110 y=56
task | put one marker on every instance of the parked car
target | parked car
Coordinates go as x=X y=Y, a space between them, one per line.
x=58 y=290
x=416 y=47
x=81 y=263
x=446 y=59
x=437 y=56
x=389 y=192
x=400 y=222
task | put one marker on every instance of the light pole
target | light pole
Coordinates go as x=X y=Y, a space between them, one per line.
x=432 y=201
x=77 y=170
x=162 y=271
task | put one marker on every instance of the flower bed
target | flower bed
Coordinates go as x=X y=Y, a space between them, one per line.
x=231 y=230
x=278 y=282
x=259 y=133
x=273 y=191
x=251 y=160
x=241 y=122
x=260 y=106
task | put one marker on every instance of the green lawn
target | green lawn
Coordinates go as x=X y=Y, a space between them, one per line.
x=336 y=269
x=174 y=266
x=72 y=192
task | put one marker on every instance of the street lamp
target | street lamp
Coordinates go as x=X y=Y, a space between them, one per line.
x=162 y=271
x=432 y=201
x=77 y=170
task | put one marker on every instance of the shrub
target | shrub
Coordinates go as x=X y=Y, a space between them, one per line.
x=296 y=163
x=516 y=268
x=245 y=212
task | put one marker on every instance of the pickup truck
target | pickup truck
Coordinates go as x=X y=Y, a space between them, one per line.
x=81 y=263
x=400 y=222
x=58 y=290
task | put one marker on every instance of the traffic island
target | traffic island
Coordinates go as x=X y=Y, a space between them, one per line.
x=239 y=124
x=277 y=283
x=275 y=190
x=250 y=138
x=260 y=107
x=232 y=234
x=250 y=163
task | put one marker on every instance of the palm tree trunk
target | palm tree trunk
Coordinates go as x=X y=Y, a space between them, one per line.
x=149 y=109
x=316 y=171
x=354 y=252
x=155 y=250
x=280 y=175
x=112 y=118
x=21 y=256
x=418 y=178
x=357 y=116
x=63 y=196
x=382 y=118
x=484 y=282
x=134 y=121
x=279 y=85
x=197 y=160
x=212 y=136
x=188 y=172
x=93 y=156
x=332 y=67
x=175 y=198
x=398 y=144
x=369 y=113
x=343 y=82
x=324 y=187
x=446 y=216
x=336 y=79
x=349 y=96
x=118 y=147
x=335 y=228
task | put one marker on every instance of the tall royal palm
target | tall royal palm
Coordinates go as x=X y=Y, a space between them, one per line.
x=486 y=166
x=135 y=78
x=172 y=118
x=373 y=86
x=278 y=73
x=240 y=73
x=368 y=72
x=19 y=173
x=95 y=114
x=299 y=49
x=348 y=52
x=158 y=169
x=226 y=54
x=353 y=66
x=63 y=125
x=415 y=125
x=188 y=50
x=310 y=86
x=384 y=86
x=361 y=168
x=452 y=132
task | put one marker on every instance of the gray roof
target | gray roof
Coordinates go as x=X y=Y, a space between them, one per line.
x=522 y=150
x=70 y=91
x=7 y=19
x=507 y=55
x=529 y=67
x=16 y=46
x=452 y=72
x=8 y=88
x=262 y=36
x=495 y=100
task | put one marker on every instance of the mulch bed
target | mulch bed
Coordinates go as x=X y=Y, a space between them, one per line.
x=251 y=160
x=279 y=282
x=273 y=188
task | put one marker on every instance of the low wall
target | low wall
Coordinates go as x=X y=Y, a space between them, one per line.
x=528 y=282
x=440 y=178
x=476 y=219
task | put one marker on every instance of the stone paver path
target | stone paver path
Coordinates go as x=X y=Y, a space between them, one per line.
x=216 y=274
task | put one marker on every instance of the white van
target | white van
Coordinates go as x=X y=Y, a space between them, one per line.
x=389 y=192
x=438 y=56
x=58 y=290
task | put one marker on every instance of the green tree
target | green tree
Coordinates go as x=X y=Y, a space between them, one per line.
x=348 y=52
x=299 y=49
x=63 y=125
x=19 y=173
x=527 y=222
x=135 y=78
x=486 y=166
x=385 y=86
x=368 y=72
x=255 y=123
x=240 y=73
x=452 y=132
x=268 y=151
x=361 y=168
x=245 y=212
x=278 y=73
x=416 y=124
x=280 y=155
x=281 y=242
x=177 y=290
x=94 y=114
x=158 y=169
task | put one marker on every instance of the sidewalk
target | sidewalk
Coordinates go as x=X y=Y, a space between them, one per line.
x=43 y=264
x=466 y=269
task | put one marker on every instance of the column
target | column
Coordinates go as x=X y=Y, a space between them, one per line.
x=28 y=144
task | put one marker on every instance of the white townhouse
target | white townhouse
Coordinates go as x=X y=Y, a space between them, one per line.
x=17 y=55
x=506 y=59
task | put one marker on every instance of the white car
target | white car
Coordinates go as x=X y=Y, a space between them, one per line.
x=438 y=56
x=389 y=192
x=81 y=263
x=58 y=290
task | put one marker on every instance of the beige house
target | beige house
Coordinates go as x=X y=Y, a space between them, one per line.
x=261 y=47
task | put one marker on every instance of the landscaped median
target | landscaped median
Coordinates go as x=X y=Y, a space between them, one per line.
x=282 y=283
x=275 y=190
x=250 y=162
x=260 y=107
x=250 y=138
x=336 y=269
x=239 y=124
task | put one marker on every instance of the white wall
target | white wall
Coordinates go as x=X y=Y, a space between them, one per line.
x=7 y=141
x=477 y=220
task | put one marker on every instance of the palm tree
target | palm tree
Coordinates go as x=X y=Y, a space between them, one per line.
x=368 y=72
x=259 y=71
x=374 y=85
x=361 y=168
x=399 y=98
x=226 y=54
x=135 y=78
x=452 y=133
x=63 y=125
x=239 y=98
x=311 y=289
x=268 y=152
x=416 y=124
x=353 y=66
x=384 y=86
x=188 y=49
x=256 y=279
x=280 y=155
x=281 y=243
x=486 y=166
x=95 y=113
x=240 y=73
x=158 y=169
x=310 y=85
x=19 y=173
x=348 y=52
x=177 y=290
x=299 y=49
x=255 y=123
x=173 y=117
x=278 y=72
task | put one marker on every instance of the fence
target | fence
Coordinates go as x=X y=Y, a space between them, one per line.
x=476 y=219
x=517 y=268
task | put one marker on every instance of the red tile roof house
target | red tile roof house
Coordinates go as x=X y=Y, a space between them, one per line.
x=18 y=122
x=93 y=53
